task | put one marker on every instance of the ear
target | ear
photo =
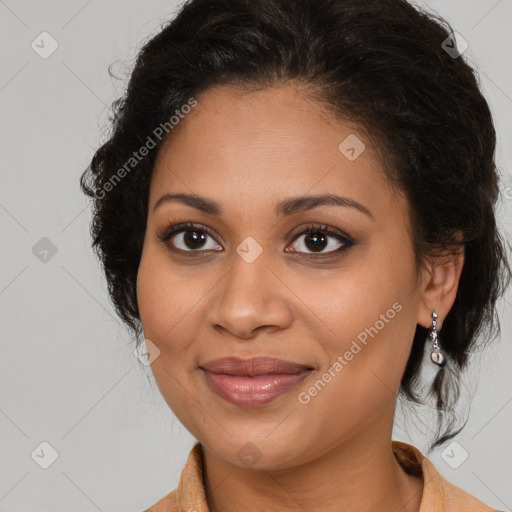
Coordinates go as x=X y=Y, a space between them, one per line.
x=439 y=287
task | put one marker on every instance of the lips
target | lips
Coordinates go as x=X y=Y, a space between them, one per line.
x=253 y=382
x=253 y=366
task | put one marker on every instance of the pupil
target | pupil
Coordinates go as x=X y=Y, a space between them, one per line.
x=195 y=237
x=317 y=241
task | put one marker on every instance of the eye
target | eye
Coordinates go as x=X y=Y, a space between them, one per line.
x=191 y=238
x=188 y=237
x=320 y=237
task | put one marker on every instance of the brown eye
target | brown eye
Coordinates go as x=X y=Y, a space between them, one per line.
x=189 y=238
x=321 y=240
x=193 y=239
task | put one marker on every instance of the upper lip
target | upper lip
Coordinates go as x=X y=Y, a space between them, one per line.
x=253 y=366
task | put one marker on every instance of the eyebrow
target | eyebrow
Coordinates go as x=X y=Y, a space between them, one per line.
x=284 y=208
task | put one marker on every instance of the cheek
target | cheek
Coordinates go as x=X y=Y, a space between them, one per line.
x=371 y=318
x=165 y=299
x=364 y=367
x=152 y=295
x=358 y=303
x=163 y=305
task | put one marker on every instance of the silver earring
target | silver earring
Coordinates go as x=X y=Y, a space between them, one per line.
x=436 y=355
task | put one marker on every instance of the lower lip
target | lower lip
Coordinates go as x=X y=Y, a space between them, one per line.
x=253 y=391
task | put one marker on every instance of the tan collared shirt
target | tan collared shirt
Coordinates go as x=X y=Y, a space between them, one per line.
x=439 y=495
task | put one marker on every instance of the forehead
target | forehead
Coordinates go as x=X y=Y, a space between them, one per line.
x=253 y=147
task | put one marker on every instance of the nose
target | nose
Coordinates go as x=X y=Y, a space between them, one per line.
x=250 y=298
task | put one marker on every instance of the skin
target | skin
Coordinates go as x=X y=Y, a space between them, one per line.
x=248 y=151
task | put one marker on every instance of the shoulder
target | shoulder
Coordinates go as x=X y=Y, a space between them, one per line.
x=168 y=503
x=451 y=496
x=439 y=495
x=189 y=496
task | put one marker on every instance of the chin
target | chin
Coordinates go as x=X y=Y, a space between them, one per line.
x=256 y=452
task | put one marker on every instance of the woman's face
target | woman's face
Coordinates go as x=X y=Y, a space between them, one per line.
x=266 y=281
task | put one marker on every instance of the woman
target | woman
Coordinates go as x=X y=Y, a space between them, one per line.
x=296 y=203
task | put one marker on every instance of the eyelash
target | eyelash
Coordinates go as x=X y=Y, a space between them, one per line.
x=167 y=233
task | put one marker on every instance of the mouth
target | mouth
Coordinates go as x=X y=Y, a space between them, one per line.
x=253 y=382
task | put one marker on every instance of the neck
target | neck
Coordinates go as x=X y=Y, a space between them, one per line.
x=359 y=474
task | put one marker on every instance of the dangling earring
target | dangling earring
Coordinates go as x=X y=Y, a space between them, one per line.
x=436 y=355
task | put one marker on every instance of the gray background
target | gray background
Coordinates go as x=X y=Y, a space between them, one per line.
x=67 y=373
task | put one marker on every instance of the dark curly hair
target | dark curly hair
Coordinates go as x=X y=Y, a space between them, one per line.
x=382 y=64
